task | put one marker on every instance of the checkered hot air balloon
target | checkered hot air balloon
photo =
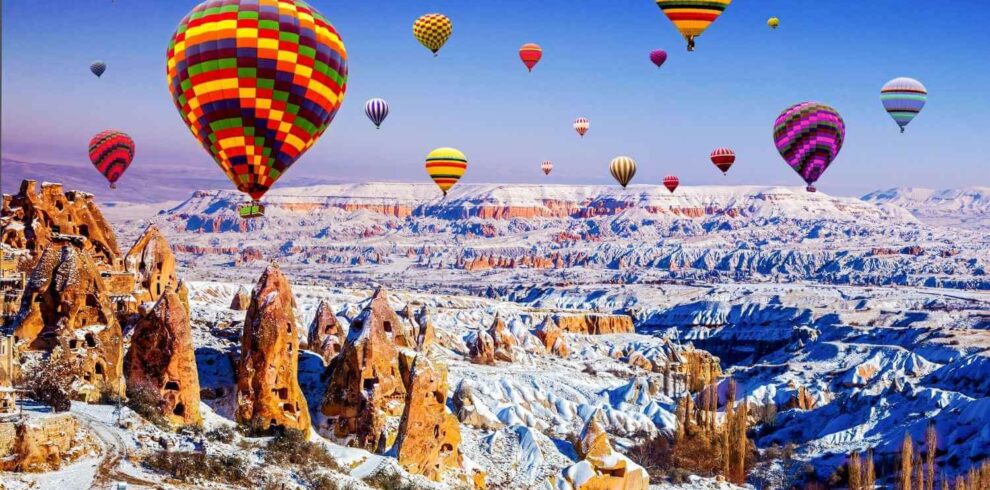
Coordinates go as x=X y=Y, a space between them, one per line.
x=433 y=31
x=723 y=158
x=530 y=54
x=623 y=169
x=547 y=167
x=98 y=67
x=692 y=17
x=671 y=182
x=377 y=110
x=809 y=136
x=446 y=166
x=903 y=98
x=111 y=152
x=581 y=125
x=257 y=82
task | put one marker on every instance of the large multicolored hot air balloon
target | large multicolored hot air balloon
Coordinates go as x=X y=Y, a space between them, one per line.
x=377 y=110
x=547 y=167
x=257 y=82
x=723 y=158
x=530 y=54
x=692 y=17
x=658 y=57
x=773 y=22
x=433 y=31
x=446 y=166
x=903 y=98
x=111 y=152
x=98 y=67
x=623 y=170
x=581 y=125
x=671 y=182
x=809 y=136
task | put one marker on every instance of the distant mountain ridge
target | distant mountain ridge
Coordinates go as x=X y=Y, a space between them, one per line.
x=968 y=206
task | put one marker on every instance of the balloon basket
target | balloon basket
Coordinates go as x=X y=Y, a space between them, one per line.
x=811 y=188
x=254 y=209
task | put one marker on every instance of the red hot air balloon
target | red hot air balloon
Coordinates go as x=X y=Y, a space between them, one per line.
x=671 y=182
x=658 y=57
x=111 y=153
x=723 y=158
x=530 y=54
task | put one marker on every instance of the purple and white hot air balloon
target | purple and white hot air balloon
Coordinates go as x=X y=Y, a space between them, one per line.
x=377 y=110
x=809 y=136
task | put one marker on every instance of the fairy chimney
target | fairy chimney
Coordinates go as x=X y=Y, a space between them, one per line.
x=505 y=342
x=429 y=435
x=325 y=336
x=553 y=338
x=241 y=300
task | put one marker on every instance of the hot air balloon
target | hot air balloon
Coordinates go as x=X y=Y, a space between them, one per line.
x=111 y=152
x=723 y=158
x=658 y=57
x=530 y=54
x=623 y=170
x=692 y=17
x=773 y=22
x=671 y=182
x=809 y=136
x=903 y=98
x=377 y=110
x=433 y=31
x=98 y=67
x=547 y=167
x=259 y=95
x=446 y=166
x=581 y=125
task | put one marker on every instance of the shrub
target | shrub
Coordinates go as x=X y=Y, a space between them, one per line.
x=188 y=466
x=50 y=382
x=222 y=434
x=147 y=402
x=291 y=446
x=389 y=479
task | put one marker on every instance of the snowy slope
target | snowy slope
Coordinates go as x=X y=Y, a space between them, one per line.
x=967 y=207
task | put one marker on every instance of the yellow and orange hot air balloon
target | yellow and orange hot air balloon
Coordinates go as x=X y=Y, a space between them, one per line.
x=446 y=166
x=433 y=31
x=692 y=17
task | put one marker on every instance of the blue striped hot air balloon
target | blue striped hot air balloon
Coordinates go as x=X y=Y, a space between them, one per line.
x=903 y=98
x=377 y=110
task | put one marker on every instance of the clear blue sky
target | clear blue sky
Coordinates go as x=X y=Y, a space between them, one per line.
x=478 y=97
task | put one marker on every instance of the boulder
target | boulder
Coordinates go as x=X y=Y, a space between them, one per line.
x=268 y=393
x=596 y=323
x=162 y=358
x=505 y=343
x=483 y=349
x=325 y=335
x=366 y=390
x=600 y=466
x=66 y=304
x=469 y=411
x=552 y=337
x=241 y=300
x=429 y=436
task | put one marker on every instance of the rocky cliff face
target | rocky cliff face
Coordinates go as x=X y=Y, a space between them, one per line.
x=366 y=389
x=65 y=304
x=325 y=335
x=43 y=444
x=268 y=393
x=595 y=324
x=162 y=358
x=429 y=436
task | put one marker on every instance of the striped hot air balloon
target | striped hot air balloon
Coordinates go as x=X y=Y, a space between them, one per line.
x=547 y=167
x=377 y=110
x=809 y=136
x=903 y=98
x=692 y=17
x=623 y=170
x=433 y=31
x=111 y=152
x=446 y=166
x=98 y=67
x=671 y=182
x=581 y=125
x=723 y=158
x=530 y=54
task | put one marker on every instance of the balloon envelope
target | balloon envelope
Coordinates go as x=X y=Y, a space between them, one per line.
x=658 y=57
x=377 y=110
x=903 y=98
x=547 y=167
x=111 y=152
x=530 y=54
x=723 y=158
x=98 y=67
x=446 y=166
x=773 y=22
x=809 y=136
x=692 y=17
x=256 y=97
x=623 y=169
x=671 y=182
x=581 y=125
x=433 y=31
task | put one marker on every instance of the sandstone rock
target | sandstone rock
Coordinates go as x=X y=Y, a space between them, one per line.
x=380 y=311
x=552 y=337
x=325 y=335
x=426 y=337
x=42 y=444
x=802 y=399
x=504 y=342
x=162 y=357
x=483 y=349
x=268 y=392
x=601 y=467
x=469 y=411
x=366 y=390
x=241 y=300
x=66 y=304
x=429 y=436
x=152 y=262
x=637 y=359
x=596 y=324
